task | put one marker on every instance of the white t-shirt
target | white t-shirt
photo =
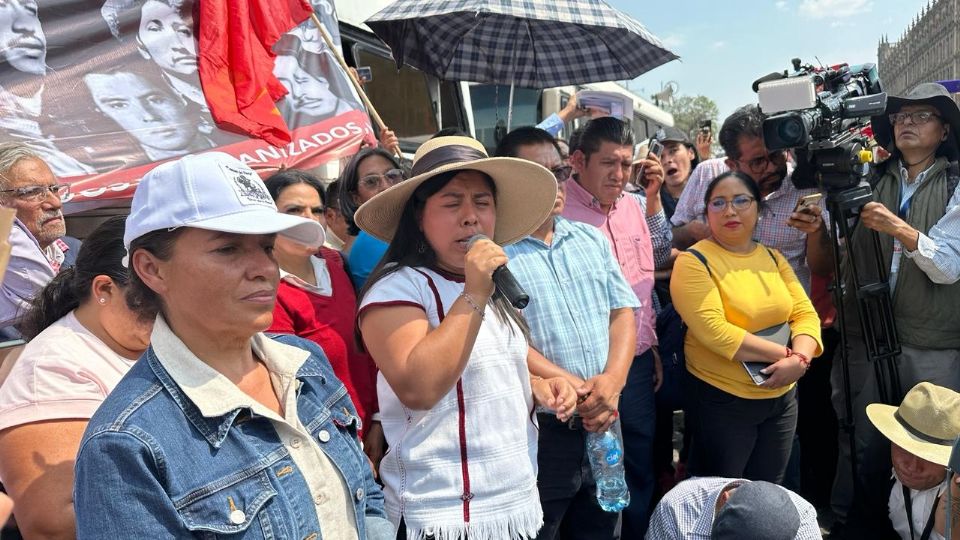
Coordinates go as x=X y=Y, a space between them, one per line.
x=63 y=373
x=480 y=435
x=922 y=505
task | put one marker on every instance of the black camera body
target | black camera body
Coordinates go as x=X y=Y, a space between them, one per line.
x=820 y=112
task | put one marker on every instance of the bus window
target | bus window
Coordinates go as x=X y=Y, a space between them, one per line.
x=490 y=104
x=640 y=129
x=402 y=97
x=450 y=106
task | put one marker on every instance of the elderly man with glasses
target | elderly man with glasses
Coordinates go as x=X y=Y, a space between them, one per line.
x=37 y=250
x=916 y=211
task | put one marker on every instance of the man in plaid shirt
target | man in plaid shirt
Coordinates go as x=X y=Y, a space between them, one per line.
x=581 y=319
x=801 y=236
x=732 y=509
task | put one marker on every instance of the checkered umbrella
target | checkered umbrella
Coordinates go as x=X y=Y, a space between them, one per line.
x=527 y=43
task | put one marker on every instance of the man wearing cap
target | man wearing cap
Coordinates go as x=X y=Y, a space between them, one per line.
x=679 y=159
x=917 y=215
x=37 y=250
x=578 y=344
x=732 y=509
x=921 y=432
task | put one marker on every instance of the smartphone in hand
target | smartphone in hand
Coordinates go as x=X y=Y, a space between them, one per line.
x=808 y=200
x=656 y=149
x=365 y=74
x=706 y=127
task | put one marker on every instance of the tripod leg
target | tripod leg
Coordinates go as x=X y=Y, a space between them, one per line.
x=847 y=424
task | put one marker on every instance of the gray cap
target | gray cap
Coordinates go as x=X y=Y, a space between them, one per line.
x=672 y=134
x=759 y=511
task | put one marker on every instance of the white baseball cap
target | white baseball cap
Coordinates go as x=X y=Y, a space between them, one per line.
x=212 y=191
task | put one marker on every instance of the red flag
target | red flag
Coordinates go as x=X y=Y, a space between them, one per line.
x=236 y=62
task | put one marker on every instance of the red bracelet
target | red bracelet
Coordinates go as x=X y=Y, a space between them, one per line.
x=804 y=359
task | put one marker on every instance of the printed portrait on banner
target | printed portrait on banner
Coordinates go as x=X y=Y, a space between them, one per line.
x=106 y=90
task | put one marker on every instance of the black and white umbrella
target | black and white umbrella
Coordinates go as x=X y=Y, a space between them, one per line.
x=526 y=43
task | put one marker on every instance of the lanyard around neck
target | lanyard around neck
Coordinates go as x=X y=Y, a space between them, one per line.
x=908 y=505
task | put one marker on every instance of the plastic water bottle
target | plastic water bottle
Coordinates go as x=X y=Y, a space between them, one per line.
x=606 y=460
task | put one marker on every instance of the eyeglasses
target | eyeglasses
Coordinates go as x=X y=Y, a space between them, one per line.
x=739 y=203
x=562 y=173
x=758 y=165
x=39 y=193
x=918 y=117
x=373 y=181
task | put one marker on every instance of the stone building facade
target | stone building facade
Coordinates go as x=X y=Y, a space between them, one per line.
x=928 y=50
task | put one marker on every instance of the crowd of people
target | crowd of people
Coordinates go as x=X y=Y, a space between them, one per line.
x=277 y=358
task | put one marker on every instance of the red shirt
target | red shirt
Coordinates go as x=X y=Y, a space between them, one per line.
x=329 y=321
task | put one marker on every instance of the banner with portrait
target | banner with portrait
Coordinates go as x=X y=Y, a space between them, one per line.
x=106 y=90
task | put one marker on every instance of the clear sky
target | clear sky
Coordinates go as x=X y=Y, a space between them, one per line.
x=724 y=45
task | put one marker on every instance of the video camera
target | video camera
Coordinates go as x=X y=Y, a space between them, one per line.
x=820 y=112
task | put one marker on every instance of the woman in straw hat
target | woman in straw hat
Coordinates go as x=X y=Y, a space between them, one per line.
x=455 y=394
x=922 y=432
x=219 y=430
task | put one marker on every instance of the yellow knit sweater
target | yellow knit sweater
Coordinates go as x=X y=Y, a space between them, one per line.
x=746 y=293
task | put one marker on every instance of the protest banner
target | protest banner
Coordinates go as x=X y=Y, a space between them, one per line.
x=105 y=91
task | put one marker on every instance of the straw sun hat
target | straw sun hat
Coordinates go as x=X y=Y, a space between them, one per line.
x=526 y=191
x=926 y=424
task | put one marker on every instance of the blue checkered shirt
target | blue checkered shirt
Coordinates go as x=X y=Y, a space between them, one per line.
x=687 y=512
x=573 y=285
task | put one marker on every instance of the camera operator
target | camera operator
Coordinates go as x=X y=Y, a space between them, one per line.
x=800 y=236
x=916 y=211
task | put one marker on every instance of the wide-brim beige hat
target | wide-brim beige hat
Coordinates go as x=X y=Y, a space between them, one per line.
x=526 y=191
x=926 y=424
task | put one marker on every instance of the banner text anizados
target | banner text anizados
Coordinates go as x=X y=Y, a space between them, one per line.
x=104 y=91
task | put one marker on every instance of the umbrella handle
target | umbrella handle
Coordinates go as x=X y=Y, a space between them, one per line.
x=356 y=84
x=510 y=109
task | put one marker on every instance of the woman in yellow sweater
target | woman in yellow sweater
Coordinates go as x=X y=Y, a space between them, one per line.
x=741 y=429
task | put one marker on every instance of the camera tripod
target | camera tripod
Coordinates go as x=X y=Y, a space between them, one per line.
x=874 y=307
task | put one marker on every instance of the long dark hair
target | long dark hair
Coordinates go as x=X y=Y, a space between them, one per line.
x=100 y=255
x=349 y=180
x=404 y=250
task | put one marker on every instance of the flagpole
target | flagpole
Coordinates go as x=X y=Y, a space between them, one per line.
x=343 y=64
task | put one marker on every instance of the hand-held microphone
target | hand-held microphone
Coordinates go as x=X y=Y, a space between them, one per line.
x=504 y=281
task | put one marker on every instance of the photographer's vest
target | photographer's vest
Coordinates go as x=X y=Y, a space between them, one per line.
x=927 y=315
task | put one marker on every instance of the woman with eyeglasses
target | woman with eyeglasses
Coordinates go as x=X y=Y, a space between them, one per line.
x=316 y=301
x=371 y=171
x=731 y=292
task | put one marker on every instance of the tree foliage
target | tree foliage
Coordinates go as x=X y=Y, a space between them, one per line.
x=689 y=111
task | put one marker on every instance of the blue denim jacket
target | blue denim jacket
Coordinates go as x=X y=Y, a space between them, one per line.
x=151 y=466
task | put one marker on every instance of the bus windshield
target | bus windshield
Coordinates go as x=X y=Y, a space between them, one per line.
x=490 y=103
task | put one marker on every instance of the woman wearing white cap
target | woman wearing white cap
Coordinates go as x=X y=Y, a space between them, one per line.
x=217 y=429
x=455 y=393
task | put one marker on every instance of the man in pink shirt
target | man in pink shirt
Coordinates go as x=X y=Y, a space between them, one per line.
x=602 y=159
